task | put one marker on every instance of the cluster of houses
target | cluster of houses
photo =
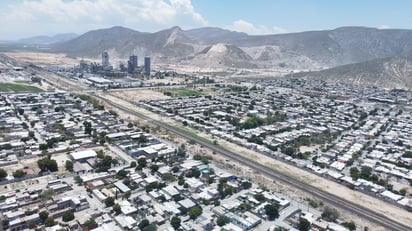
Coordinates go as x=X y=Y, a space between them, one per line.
x=150 y=183
x=368 y=126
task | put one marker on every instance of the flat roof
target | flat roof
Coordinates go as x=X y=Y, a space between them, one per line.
x=122 y=187
x=84 y=154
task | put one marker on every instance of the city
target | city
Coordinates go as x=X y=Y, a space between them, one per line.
x=203 y=128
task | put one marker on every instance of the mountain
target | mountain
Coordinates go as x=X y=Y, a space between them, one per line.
x=43 y=40
x=213 y=35
x=394 y=72
x=312 y=50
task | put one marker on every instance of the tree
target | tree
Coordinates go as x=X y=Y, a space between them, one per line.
x=142 y=162
x=43 y=216
x=246 y=185
x=143 y=224
x=69 y=165
x=3 y=174
x=350 y=225
x=150 y=227
x=49 y=222
x=68 y=216
x=222 y=221
x=366 y=172
x=89 y=224
x=330 y=214
x=19 y=173
x=272 y=211
x=175 y=222
x=47 y=164
x=154 y=168
x=133 y=164
x=195 y=212
x=304 y=225
x=117 y=209
x=354 y=173
x=109 y=201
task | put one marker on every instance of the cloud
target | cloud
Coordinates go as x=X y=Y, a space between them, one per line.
x=53 y=16
x=249 y=28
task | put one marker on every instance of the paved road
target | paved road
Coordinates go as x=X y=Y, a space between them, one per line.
x=327 y=197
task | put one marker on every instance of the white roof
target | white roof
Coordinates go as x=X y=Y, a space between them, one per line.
x=84 y=154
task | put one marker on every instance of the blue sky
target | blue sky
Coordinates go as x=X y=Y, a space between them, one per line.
x=23 y=18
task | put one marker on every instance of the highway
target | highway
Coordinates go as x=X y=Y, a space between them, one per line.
x=329 y=198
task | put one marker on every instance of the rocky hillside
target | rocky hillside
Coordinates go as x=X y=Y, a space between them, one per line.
x=386 y=72
x=311 y=50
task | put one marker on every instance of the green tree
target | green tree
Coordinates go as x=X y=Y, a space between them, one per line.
x=143 y=223
x=354 y=173
x=304 y=225
x=222 y=221
x=68 y=216
x=43 y=216
x=175 y=222
x=272 y=211
x=47 y=164
x=19 y=173
x=109 y=201
x=349 y=225
x=89 y=224
x=142 y=162
x=195 y=212
x=117 y=209
x=49 y=222
x=3 y=174
x=150 y=227
x=366 y=172
x=133 y=164
x=69 y=165
x=330 y=214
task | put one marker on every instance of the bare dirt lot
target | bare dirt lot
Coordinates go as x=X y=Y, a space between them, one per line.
x=137 y=95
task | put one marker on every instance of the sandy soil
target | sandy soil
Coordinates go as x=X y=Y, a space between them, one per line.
x=375 y=204
x=40 y=58
x=137 y=95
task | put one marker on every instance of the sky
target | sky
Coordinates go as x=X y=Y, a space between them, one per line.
x=25 y=18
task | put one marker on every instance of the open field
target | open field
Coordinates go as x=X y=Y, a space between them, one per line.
x=43 y=58
x=183 y=92
x=13 y=87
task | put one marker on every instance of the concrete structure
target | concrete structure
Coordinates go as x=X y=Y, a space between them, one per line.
x=105 y=60
x=147 y=65
x=83 y=155
x=132 y=64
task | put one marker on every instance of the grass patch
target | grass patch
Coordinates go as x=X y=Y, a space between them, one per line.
x=182 y=92
x=13 y=87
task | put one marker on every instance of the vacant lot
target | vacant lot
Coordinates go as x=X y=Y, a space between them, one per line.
x=13 y=87
x=182 y=92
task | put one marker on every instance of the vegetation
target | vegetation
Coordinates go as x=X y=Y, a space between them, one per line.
x=349 y=225
x=12 y=87
x=175 y=222
x=181 y=92
x=195 y=212
x=109 y=201
x=3 y=174
x=303 y=225
x=19 y=173
x=69 y=165
x=330 y=214
x=222 y=221
x=47 y=164
x=272 y=211
x=68 y=216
